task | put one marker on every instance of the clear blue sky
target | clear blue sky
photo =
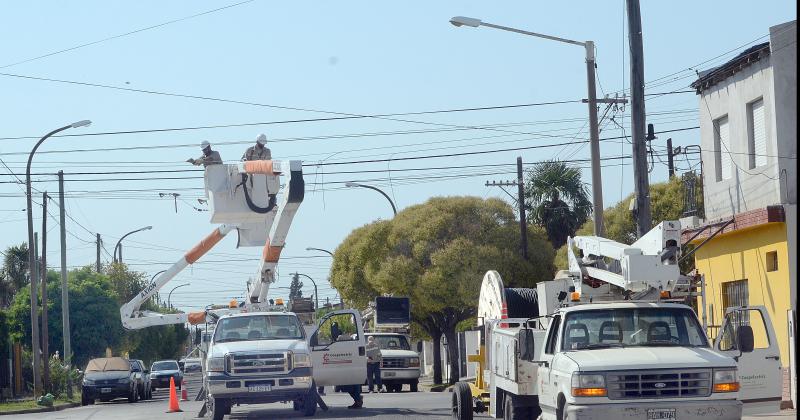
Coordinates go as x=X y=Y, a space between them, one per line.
x=360 y=57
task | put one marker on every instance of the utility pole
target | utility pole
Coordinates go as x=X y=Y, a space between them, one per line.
x=641 y=182
x=64 y=287
x=594 y=142
x=670 y=160
x=34 y=273
x=43 y=277
x=99 y=243
x=520 y=199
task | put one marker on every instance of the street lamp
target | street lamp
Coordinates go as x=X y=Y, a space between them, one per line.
x=353 y=184
x=119 y=243
x=169 y=296
x=320 y=249
x=37 y=385
x=152 y=279
x=597 y=185
x=316 y=294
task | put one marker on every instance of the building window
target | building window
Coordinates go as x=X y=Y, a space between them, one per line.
x=772 y=261
x=722 y=149
x=735 y=293
x=757 y=136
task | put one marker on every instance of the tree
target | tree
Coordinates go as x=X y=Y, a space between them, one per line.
x=436 y=253
x=295 y=288
x=666 y=203
x=14 y=276
x=557 y=199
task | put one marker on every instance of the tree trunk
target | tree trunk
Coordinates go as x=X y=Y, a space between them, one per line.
x=453 y=354
x=437 y=358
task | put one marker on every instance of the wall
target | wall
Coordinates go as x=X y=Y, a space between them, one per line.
x=741 y=255
x=748 y=188
x=783 y=43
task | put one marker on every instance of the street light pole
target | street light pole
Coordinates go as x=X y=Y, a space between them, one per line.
x=37 y=384
x=153 y=279
x=353 y=184
x=594 y=131
x=316 y=294
x=119 y=243
x=320 y=249
x=169 y=296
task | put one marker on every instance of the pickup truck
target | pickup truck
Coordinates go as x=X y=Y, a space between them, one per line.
x=400 y=364
x=265 y=357
x=632 y=360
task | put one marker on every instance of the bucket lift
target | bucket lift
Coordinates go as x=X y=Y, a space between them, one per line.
x=242 y=197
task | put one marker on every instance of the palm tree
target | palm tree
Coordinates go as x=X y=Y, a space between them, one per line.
x=14 y=272
x=557 y=200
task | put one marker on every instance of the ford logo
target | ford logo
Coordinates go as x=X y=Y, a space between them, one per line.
x=659 y=385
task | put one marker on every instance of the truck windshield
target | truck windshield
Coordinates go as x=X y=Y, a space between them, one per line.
x=392 y=342
x=624 y=327
x=258 y=327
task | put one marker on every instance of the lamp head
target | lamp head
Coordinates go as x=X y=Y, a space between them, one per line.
x=147 y=228
x=465 y=21
x=350 y=184
x=82 y=123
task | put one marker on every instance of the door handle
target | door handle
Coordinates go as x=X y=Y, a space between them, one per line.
x=361 y=351
x=773 y=357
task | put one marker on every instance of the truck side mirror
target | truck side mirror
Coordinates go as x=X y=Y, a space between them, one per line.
x=313 y=342
x=526 y=349
x=744 y=338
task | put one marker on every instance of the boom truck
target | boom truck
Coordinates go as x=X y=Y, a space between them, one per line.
x=607 y=340
x=257 y=351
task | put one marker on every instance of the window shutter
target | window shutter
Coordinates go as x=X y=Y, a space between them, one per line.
x=724 y=148
x=759 y=133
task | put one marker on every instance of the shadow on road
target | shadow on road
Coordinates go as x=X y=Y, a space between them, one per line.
x=340 y=413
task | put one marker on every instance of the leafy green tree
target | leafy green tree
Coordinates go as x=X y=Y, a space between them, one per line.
x=437 y=253
x=557 y=199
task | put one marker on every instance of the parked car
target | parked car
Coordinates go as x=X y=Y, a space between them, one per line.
x=142 y=379
x=161 y=371
x=107 y=378
x=191 y=365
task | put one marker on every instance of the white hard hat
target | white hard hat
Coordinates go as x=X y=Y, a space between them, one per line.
x=261 y=139
x=205 y=144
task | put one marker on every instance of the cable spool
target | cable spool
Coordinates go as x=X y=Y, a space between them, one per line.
x=521 y=302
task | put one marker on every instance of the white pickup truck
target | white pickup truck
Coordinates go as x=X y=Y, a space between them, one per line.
x=400 y=364
x=265 y=357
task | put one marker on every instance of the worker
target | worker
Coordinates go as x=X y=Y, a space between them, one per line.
x=209 y=157
x=258 y=152
x=374 y=359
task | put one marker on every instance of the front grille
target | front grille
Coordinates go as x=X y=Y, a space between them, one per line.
x=394 y=363
x=257 y=363
x=659 y=384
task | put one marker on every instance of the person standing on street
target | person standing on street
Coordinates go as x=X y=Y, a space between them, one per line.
x=258 y=152
x=209 y=157
x=374 y=359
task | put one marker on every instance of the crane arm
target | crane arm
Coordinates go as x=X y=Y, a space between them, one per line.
x=133 y=318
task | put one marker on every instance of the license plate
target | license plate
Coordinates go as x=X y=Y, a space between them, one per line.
x=105 y=390
x=661 y=414
x=262 y=388
x=390 y=374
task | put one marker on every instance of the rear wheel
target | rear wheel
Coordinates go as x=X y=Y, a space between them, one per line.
x=461 y=402
x=513 y=411
x=414 y=386
x=219 y=408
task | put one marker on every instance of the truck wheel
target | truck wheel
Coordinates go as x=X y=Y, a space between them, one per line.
x=512 y=411
x=461 y=402
x=219 y=409
x=310 y=403
x=414 y=386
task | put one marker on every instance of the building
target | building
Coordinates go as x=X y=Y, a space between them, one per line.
x=748 y=129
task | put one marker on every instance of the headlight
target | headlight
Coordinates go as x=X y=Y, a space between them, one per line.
x=88 y=381
x=725 y=380
x=588 y=385
x=301 y=360
x=216 y=364
x=413 y=362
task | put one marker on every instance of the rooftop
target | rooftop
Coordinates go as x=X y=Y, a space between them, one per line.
x=709 y=78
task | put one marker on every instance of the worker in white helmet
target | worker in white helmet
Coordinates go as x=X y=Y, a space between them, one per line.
x=209 y=157
x=258 y=152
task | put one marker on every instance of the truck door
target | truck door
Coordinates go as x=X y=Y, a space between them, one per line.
x=547 y=390
x=760 y=377
x=338 y=349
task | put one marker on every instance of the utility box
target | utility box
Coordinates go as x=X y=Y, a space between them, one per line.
x=392 y=312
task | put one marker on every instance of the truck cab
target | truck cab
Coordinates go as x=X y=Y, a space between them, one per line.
x=400 y=364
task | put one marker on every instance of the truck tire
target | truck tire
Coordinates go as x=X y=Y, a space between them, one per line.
x=461 y=401
x=522 y=302
x=513 y=411
x=310 y=403
x=220 y=408
x=414 y=386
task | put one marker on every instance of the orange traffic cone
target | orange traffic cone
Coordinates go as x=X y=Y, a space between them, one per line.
x=173 y=398
x=184 y=393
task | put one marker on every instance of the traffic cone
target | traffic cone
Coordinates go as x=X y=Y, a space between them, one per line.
x=184 y=394
x=173 y=398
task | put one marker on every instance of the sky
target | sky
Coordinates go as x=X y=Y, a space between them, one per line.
x=253 y=67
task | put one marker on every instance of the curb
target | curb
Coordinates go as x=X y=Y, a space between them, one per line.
x=41 y=409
